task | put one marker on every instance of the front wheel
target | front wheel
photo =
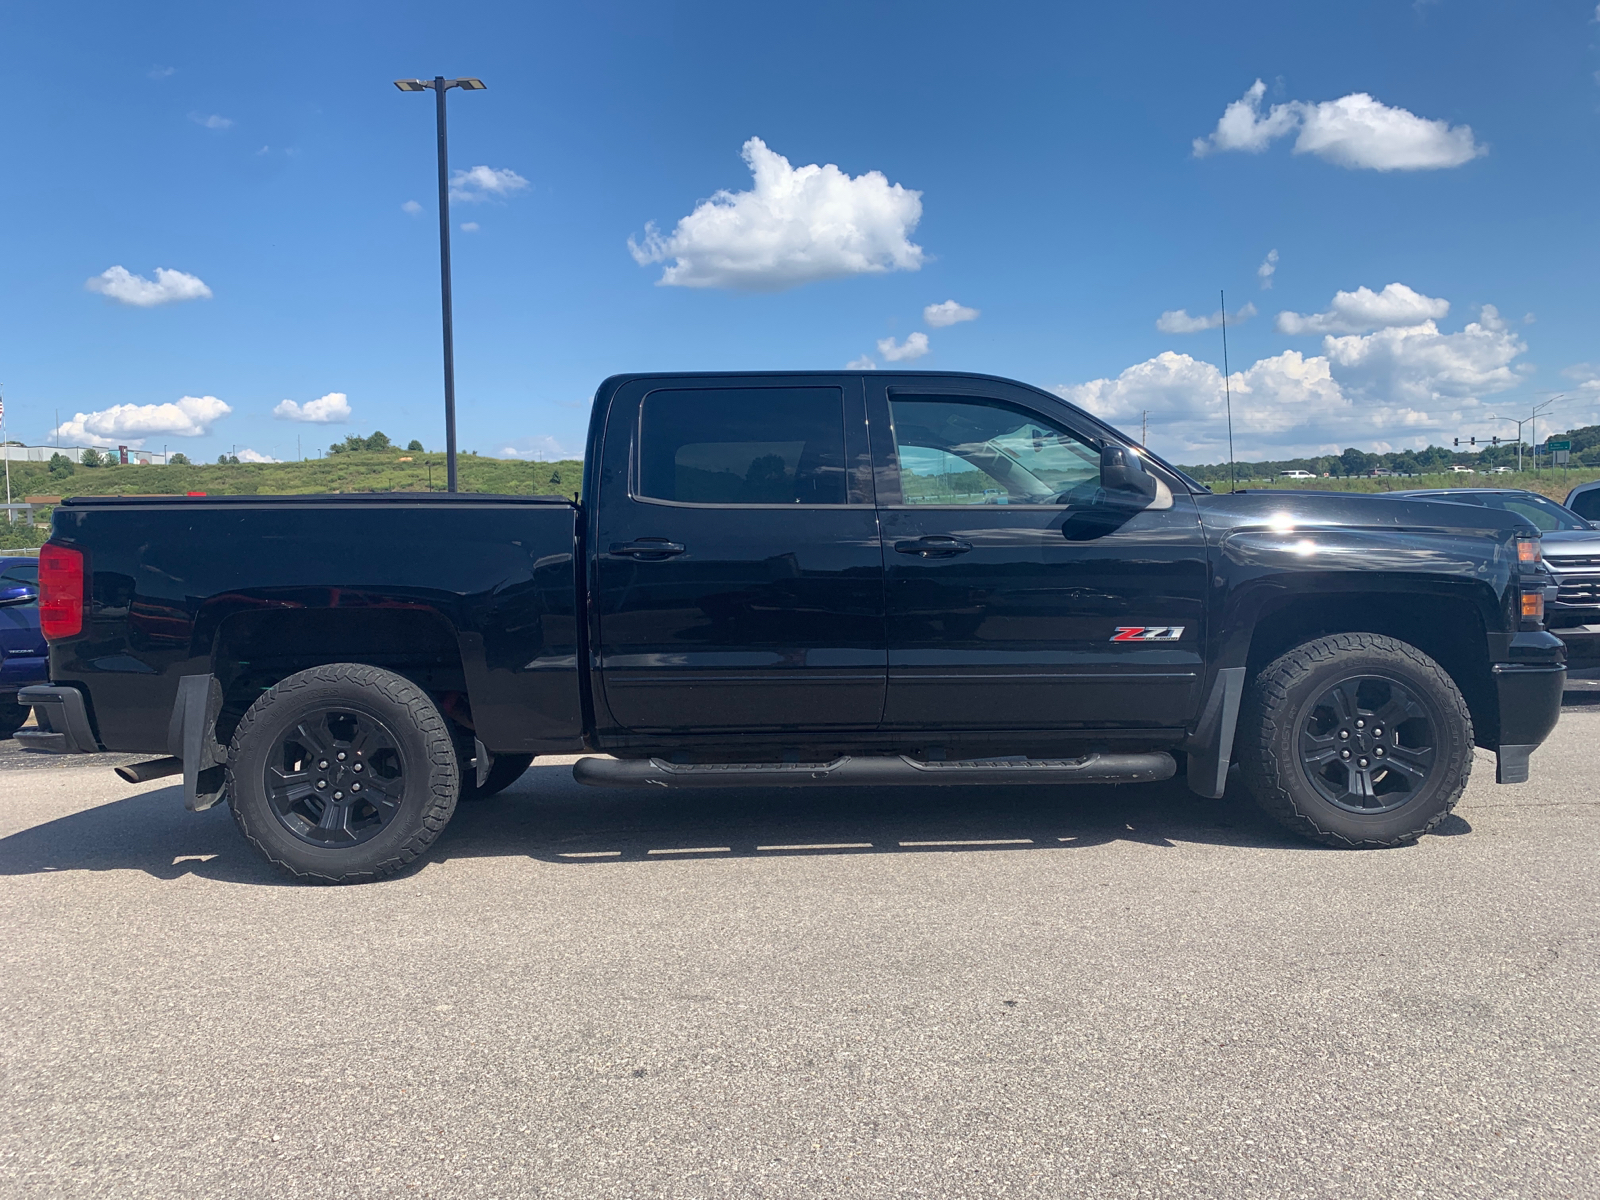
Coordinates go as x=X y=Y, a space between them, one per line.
x=342 y=773
x=1355 y=740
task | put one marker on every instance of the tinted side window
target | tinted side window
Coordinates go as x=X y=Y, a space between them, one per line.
x=983 y=452
x=743 y=446
x=21 y=573
x=1587 y=505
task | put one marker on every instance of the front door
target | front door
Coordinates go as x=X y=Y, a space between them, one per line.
x=740 y=575
x=1015 y=597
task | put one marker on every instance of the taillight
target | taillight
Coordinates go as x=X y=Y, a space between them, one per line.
x=60 y=591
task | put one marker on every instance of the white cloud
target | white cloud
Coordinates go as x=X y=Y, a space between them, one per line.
x=948 y=313
x=485 y=183
x=162 y=72
x=252 y=456
x=211 y=122
x=795 y=226
x=542 y=448
x=1243 y=127
x=332 y=409
x=1268 y=268
x=411 y=207
x=1396 y=387
x=1364 y=309
x=1352 y=131
x=1179 y=320
x=123 y=286
x=469 y=227
x=131 y=424
x=1358 y=131
x=1420 y=365
x=864 y=363
x=915 y=346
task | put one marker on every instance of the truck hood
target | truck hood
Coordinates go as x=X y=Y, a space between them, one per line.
x=1286 y=509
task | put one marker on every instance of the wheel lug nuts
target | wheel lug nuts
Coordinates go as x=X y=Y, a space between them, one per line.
x=1361 y=763
x=1377 y=733
x=1344 y=754
x=322 y=783
x=341 y=756
x=1359 y=725
x=355 y=787
x=323 y=764
x=1378 y=752
x=357 y=767
x=338 y=795
x=1343 y=733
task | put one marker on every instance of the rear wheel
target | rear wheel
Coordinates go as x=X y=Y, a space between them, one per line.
x=342 y=773
x=1356 y=740
x=12 y=717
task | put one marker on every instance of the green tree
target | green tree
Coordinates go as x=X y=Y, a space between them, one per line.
x=60 y=466
x=227 y=460
x=413 y=444
x=378 y=441
x=92 y=458
x=178 y=459
x=1356 y=462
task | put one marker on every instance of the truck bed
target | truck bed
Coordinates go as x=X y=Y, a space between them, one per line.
x=472 y=595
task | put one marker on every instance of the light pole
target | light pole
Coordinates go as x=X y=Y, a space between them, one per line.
x=1519 y=425
x=439 y=85
x=1534 y=417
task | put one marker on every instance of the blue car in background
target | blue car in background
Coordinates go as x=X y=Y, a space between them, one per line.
x=24 y=658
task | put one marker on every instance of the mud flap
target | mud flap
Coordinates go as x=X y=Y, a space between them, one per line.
x=192 y=736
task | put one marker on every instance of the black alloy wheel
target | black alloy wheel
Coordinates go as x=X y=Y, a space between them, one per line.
x=336 y=778
x=342 y=773
x=1355 y=739
x=1368 y=745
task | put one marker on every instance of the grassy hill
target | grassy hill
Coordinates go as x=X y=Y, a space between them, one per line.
x=400 y=471
x=360 y=471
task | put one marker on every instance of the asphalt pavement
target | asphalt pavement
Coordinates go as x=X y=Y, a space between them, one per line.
x=1053 y=992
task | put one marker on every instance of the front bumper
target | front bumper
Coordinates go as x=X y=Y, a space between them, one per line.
x=63 y=721
x=1530 y=705
x=1583 y=655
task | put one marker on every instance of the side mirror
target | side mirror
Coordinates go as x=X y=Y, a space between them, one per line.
x=17 y=595
x=1124 y=483
x=1594 y=524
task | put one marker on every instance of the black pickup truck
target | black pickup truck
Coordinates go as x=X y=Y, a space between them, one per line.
x=785 y=580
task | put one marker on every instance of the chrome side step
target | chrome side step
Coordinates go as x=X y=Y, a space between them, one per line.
x=877 y=771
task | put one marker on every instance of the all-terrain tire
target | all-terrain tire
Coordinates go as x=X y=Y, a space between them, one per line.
x=1286 y=695
x=422 y=750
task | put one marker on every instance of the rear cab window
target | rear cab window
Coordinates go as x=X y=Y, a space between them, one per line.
x=743 y=446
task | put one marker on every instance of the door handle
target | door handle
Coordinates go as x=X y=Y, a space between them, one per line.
x=936 y=545
x=648 y=549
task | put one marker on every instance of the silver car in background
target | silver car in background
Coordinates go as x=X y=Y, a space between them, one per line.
x=1571 y=552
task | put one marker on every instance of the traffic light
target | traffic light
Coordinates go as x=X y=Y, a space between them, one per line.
x=1458 y=441
x=1495 y=441
x=1472 y=441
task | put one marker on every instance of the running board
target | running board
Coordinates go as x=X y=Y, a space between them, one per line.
x=877 y=771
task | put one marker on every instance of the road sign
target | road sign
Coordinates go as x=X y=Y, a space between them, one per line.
x=1555 y=444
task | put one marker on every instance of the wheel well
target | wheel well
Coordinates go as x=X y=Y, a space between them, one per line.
x=1447 y=629
x=254 y=650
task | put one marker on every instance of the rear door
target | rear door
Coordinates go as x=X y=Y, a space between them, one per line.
x=738 y=567
x=1014 y=599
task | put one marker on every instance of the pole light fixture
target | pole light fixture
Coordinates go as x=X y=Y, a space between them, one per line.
x=439 y=85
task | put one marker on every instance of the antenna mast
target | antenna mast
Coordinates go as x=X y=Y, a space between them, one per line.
x=1227 y=389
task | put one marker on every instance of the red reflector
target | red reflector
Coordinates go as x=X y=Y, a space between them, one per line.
x=60 y=591
x=194 y=493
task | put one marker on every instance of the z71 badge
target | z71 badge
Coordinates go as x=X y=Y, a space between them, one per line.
x=1147 y=633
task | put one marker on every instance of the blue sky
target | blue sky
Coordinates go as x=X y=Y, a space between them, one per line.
x=1035 y=164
